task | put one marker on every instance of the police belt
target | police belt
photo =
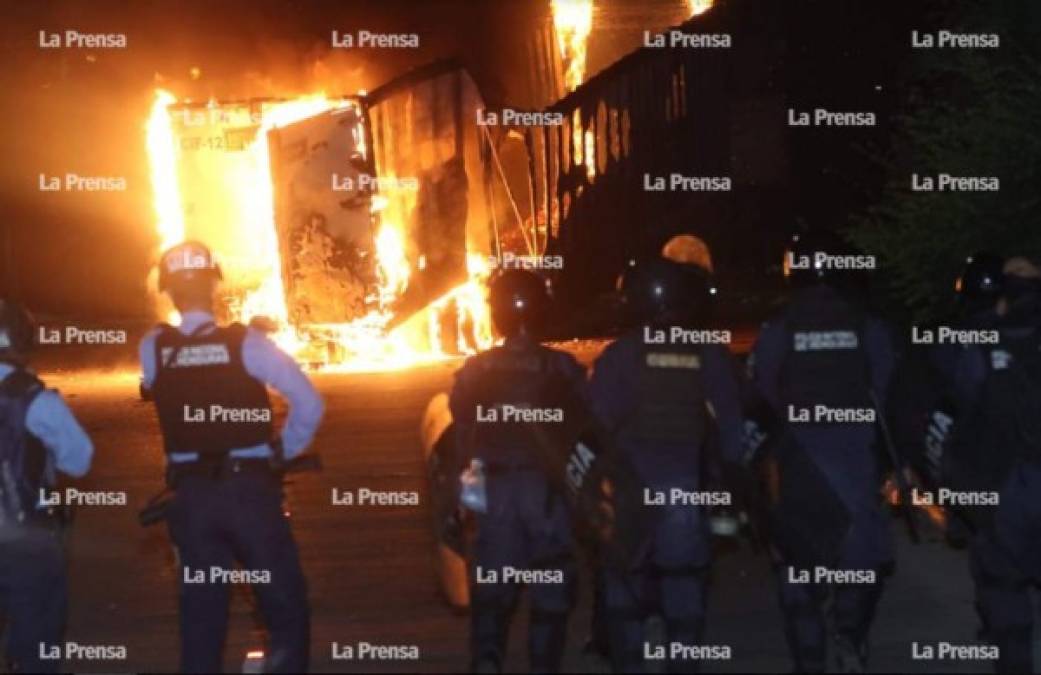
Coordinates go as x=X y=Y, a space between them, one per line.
x=217 y=468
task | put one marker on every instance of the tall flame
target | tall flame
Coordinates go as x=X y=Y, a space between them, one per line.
x=162 y=157
x=573 y=21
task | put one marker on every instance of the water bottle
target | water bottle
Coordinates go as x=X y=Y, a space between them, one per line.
x=473 y=495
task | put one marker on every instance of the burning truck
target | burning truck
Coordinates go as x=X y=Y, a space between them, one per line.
x=354 y=227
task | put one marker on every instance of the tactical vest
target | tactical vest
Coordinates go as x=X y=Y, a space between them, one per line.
x=511 y=380
x=670 y=395
x=23 y=457
x=1003 y=426
x=825 y=362
x=199 y=378
x=1012 y=392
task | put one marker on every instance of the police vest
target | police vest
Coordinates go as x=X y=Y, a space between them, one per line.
x=825 y=361
x=206 y=400
x=519 y=387
x=1002 y=427
x=23 y=457
x=670 y=397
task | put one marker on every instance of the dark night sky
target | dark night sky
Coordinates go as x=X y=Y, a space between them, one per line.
x=83 y=111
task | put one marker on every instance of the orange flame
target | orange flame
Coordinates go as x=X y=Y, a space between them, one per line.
x=573 y=21
x=247 y=193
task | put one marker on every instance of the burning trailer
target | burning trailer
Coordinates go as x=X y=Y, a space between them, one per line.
x=363 y=228
x=356 y=227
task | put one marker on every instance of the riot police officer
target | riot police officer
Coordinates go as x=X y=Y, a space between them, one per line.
x=38 y=436
x=922 y=405
x=824 y=366
x=994 y=459
x=209 y=384
x=665 y=388
x=505 y=406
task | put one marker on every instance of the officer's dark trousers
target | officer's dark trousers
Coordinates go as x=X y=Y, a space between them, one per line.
x=216 y=522
x=802 y=604
x=33 y=597
x=525 y=528
x=1005 y=561
x=672 y=582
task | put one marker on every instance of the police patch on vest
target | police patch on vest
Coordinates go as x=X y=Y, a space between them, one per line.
x=819 y=341
x=527 y=363
x=1000 y=359
x=196 y=355
x=673 y=360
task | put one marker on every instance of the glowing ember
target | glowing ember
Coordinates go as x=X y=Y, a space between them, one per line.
x=573 y=21
x=237 y=210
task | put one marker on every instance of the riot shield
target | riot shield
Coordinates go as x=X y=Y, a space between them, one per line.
x=808 y=520
x=440 y=453
x=603 y=489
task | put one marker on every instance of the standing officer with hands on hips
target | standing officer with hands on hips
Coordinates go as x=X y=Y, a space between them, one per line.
x=524 y=523
x=38 y=436
x=209 y=384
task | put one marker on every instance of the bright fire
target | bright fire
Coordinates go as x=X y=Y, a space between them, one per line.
x=573 y=21
x=364 y=344
x=162 y=149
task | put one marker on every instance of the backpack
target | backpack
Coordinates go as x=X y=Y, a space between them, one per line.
x=22 y=456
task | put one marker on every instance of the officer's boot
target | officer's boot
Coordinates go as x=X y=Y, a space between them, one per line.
x=489 y=630
x=804 y=628
x=854 y=612
x=546 y=637
x=850 y=657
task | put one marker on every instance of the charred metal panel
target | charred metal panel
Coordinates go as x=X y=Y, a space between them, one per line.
x=423 y=128
x=322 y=193
x=325 y=228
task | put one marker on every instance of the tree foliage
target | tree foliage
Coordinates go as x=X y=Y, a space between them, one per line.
x=967 y=112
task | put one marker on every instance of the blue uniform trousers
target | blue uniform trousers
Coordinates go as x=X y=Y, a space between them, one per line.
x=237 y=517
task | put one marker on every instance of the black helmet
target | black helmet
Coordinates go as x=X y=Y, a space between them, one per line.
x=187 y=263
x=518 y=300
x=802 y=256
x=656 y=288
x=1021 y=283
x=982 y=280
x=16 y=329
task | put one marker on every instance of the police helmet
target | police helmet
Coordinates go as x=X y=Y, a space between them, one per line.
x=1021 y=280
x=16 y=329
x=982 y=279
x=805 y=257
x=518 y=301
x=656 y=288
x=187 y=264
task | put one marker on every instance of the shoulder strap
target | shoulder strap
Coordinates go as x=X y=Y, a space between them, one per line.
x=21 y=384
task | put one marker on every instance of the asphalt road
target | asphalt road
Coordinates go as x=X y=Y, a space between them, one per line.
x=370 y=567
